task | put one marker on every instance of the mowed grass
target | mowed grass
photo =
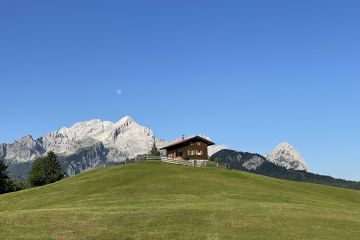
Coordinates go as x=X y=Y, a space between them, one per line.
x=154 y=200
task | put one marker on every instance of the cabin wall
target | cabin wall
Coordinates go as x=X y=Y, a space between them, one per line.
x=195 y=147
x=190 y=151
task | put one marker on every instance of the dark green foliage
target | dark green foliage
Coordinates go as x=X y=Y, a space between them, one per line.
x=19 y=185
x=45 y=170
x=5 y=183
x=154 y=151
x=236 y=159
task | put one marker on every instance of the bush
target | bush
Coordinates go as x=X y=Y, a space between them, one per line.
x=45 y=170
x=19 y=185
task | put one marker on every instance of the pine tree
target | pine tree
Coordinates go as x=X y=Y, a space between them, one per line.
x=45 y=170
x=5 y=183
x=154 y=151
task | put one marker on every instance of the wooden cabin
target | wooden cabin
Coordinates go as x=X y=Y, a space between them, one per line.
x=193 y=148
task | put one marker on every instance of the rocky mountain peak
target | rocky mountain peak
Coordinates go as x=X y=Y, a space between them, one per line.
x=120 y=140
x=85 y=129
x=125 y=121
x=287 y=156
x=26 y=139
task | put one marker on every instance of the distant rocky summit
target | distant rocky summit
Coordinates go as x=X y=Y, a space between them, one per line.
x=285 y=155
x=83 y=146
x=256 y=163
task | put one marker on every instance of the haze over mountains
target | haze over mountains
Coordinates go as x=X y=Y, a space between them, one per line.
x=95 y=143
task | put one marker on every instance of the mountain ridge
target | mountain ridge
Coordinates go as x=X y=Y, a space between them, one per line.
x=256 y=163
x=93 y=143
x=117 y=141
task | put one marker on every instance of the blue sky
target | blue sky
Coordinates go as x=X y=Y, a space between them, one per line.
x=249 y=74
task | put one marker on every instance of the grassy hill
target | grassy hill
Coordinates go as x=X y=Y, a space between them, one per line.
x=153 y=200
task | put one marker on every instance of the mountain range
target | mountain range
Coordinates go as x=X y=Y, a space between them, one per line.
x=83 y=146
x=94 y=143
x=278 y=166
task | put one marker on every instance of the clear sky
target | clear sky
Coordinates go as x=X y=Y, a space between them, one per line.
x=249 y=74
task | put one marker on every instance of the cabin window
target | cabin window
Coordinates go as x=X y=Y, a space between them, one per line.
x=195 y=152
x=198 y=143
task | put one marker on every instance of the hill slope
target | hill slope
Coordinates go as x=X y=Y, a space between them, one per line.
x=153 y=200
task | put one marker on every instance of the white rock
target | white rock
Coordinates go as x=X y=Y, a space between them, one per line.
x=124 y=139
x=285 y=155
x=253 y=163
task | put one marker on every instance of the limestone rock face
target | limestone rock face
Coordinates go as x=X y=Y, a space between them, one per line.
x=24 y=149
x=90 y=143
x=253 y=163
x=285 y=155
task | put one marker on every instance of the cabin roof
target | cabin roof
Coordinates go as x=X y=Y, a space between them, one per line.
x=182 y=141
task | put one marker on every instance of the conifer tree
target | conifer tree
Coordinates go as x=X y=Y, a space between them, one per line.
x=45 y=170
x=154 y=151
x=5 y=183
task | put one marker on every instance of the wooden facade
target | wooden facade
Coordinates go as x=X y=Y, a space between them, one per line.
x=195 y=148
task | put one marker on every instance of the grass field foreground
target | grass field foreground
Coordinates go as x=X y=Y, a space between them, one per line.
x=154 y=200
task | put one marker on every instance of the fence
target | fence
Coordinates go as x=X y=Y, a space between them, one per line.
x=177 y=161
x=193 y=163
x=146 y=157
x=224 y=165
x=138 y=158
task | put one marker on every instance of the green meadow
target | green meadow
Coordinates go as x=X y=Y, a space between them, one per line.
x=154 y=200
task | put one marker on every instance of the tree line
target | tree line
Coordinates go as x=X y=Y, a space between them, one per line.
x=45 y=170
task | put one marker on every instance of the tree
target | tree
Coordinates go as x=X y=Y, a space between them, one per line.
x=20 y=184
x=5 y=182
x=154 y=151
x=45 y=170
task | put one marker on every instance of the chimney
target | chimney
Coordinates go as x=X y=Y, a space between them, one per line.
x=183 y=137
